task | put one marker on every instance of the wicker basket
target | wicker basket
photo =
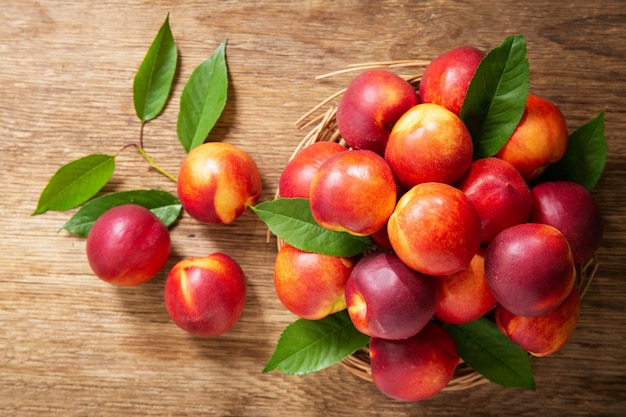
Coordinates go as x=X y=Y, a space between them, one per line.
x=323 y=127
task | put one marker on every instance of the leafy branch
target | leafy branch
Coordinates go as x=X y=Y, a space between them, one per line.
x=204 y=97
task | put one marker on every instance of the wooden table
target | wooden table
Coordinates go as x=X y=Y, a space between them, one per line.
x=72 y=345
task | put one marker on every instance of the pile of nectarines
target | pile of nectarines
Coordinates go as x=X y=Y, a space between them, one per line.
x=455 y=238
x=128 y=245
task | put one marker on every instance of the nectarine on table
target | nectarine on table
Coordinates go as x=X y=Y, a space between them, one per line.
x=128 y=245
x=205 y=296
x=217 y=182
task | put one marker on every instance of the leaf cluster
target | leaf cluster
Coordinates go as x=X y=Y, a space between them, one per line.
x=202 y=101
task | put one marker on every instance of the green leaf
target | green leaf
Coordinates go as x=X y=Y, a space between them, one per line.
x=153 y=80
x=76 y=182
x=308 y=346
x=203 y=100
x=492 y=354
x=496 y=97
x=291 y=220
x=585 y=157
x=163 y=204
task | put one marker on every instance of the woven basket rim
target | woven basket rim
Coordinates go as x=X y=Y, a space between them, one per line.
x=323 y=127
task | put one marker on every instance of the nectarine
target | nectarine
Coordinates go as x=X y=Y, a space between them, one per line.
x=311 y=285
x=539 y=140
x=205 y=296
x=434 y=229
x=530 y=268
x=295 y=180
x=353 y=192
x=217 y=182
x=372 y=103
x=128 y=245
x=446 y=79
x=465 y=295
x=429 y=143
x=541 y=335
x=569 y=207
x=499 y=194
x=416 y=368
x=387 y=299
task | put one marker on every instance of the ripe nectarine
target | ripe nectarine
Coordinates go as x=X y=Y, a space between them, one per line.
x=217 y=182
x=128 y=245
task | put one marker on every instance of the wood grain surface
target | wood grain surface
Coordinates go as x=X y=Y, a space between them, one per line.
x=72 y=345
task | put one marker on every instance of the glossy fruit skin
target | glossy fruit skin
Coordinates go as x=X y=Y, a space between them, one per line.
x=541 y=335
x=415 y=368
x=311 y=285
x=353 y=192
x=447 y=77
x=539 y=140
x=530 y=269
x=569 y=207
x=434 y=229
x=429 y=143
x=499 y=194
x=205 y=296
x=373 y=101
x=128 y=245
x=217 y=182
x=295 y=179
x=387 y=299
x=465 y=295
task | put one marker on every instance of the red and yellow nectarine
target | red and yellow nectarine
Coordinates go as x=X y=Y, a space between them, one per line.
x=311 y=285
x=429 y=143
x=353 y=192
x=434 y=229
x=217 y=182
x=205 y=296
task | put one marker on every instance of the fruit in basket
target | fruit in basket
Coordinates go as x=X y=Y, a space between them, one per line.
x=415 y=368
x=217 y=182
x=447 y=77
x=205 y=296
x=541 y=335
x=373 y=101
x=295 y=180
x=434 y=229
x=569 y=207
x=530 y=268
x=387 y=299
x=311 y=285
x=429 y=143
x=539 y=140
x=465 y=296
x=499 y=194
x=353 y=192
x=128 y=245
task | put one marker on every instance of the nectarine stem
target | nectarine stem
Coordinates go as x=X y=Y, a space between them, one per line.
x=154 y=164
